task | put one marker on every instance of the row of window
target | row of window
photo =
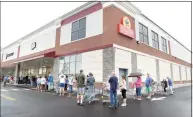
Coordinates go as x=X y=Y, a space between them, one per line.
x=78 y=31
x=71 y=64
x=143 y=37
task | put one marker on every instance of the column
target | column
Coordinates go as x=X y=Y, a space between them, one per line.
x=55 y=70
x=171 y=69
x=133 y=67
x=186 y=75
x=157 y=70
x=17 y=71
x=134 y=62
x=180 y=74
x=150 y=37
x=108 y=62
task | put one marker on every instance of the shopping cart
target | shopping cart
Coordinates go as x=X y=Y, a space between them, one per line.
x=90 y=98
x=131 y=92
x=159 y=89
x=106 y=94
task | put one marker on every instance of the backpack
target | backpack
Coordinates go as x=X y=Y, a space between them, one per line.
x=90 y=81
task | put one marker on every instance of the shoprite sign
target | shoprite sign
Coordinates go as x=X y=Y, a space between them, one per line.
x=125 y=28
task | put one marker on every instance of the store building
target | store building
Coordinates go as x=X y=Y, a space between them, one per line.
x=100 y=37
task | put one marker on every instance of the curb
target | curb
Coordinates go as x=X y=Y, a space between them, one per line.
x=19 y=86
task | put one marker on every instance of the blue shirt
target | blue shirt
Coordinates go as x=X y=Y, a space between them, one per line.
x=148 y=81
x=50 y=79
x=170 y=82
x=5 y=78
x=66 y=81
x=113 y=83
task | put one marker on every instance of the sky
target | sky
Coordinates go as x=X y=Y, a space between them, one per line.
x=21 y=18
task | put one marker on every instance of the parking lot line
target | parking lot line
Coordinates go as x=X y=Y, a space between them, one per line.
x=8 y=98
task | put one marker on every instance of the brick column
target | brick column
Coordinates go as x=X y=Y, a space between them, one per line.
x=108 y=62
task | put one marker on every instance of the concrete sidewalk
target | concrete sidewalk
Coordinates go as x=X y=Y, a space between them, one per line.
x=181 y=85
x=28 y=86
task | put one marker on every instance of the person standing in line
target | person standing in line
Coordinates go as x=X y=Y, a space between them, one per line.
x=113 y=90
x=81 y=87
x=38 y=83
x=165 y=85
x=62 y=84
x=123 y=90
x=148 y=82
x=43 y=82
x=70 y=85
x=50 y=82
x=170 y=83
x=138 y=87
x=5 y=81
x=66 y=84
x=90 y=85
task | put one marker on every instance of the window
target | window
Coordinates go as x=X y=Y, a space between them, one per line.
x=78 y=67
x=40 y=71
x=143 y=34
x=164 y=45
x=78 y=58
x=72 y=68
x=78 y=29
x=44 y=71
x=66 y=68
x=72 y=64
x=155 y=40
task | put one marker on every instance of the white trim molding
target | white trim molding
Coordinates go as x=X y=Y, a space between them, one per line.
x=143 y=54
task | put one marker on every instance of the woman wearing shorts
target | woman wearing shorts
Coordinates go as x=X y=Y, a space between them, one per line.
x=43 y=82
x=62 y=84
x=138 y=88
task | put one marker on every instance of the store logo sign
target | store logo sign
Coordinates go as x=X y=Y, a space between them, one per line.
x=124 y=28
x=33 y=45
x=10 y=54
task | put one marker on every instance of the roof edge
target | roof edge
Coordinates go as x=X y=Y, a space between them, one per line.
x=166 y=32
x=53 y=22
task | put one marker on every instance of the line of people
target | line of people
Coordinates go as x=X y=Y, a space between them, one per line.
x=44 y=84
x=83 y=83
x=113 y=80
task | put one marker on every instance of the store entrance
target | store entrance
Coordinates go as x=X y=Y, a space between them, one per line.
x=31 y=69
